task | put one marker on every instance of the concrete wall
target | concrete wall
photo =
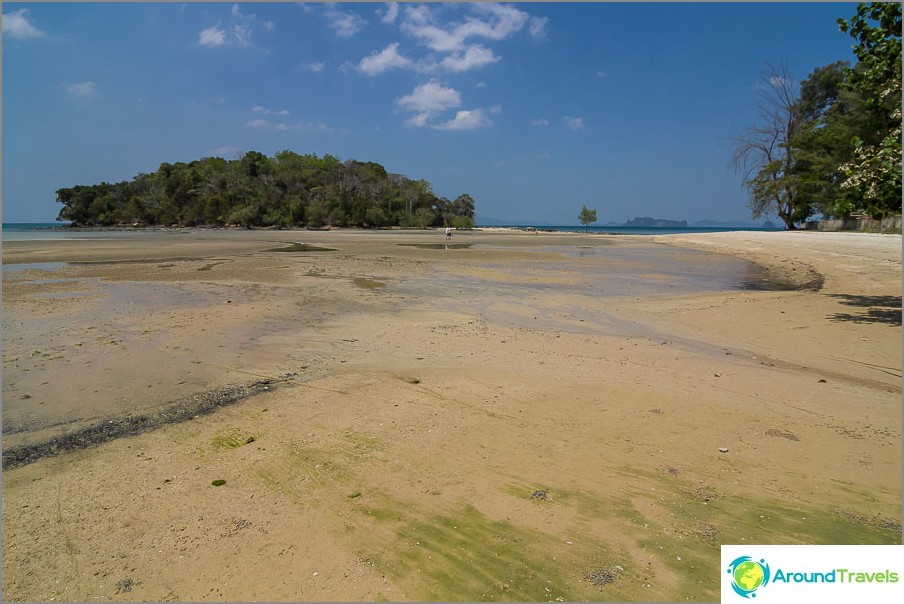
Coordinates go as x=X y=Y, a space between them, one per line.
x=889 y=224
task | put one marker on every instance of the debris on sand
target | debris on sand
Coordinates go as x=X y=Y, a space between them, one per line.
x=540 y=495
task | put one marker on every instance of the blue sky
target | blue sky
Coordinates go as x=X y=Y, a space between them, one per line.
x=532 y=108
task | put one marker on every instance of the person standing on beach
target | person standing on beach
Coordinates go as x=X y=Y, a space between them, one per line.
x=448 y=233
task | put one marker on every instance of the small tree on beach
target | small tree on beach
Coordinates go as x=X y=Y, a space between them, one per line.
x=587 y=216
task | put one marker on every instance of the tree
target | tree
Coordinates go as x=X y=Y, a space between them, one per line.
x=587 y=216
x=764 y=153
x=831 y=117
x=874 y=172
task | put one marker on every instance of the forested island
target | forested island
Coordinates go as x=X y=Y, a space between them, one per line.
x=286 y=190
x=648 y=222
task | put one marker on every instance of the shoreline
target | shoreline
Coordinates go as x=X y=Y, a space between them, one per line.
x=442 y=388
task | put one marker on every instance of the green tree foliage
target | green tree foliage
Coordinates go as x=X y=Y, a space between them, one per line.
x=287 y=190
x=587 y=216
x=874 y=171
x=831 y=117
x=830 y=145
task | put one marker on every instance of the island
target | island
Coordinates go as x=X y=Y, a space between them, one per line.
x=648 y=222
x=284 y=191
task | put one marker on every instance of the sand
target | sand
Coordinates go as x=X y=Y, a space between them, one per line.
x=521 y=417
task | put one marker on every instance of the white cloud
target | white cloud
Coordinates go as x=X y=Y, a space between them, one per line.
x=537 y=27
x=467 y=120
x=779 y=82
x=226 y=150
x=82 y=90
x=285 y=126
x=391 y=12
x=429 y=100
x=602 y=74
x=426 y=101
x=417 y=121
x=345 y=25
x=388 y=58
x=212 y=36
x=237 y=33
x=17 y=26
x=540 y=122
x=474 y=57
x=503 y=20
x=492 y=21
x=265 y=111
x=480 y=85
x=314 y=67
x=431 y=97
x=575 y=123
x=242 y=35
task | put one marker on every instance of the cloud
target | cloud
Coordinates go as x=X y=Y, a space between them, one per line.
x=488 y=20
x=286 y=126
x=388 y=58
x=467 y=120
x=430 y=97
x=575 y=123
x=428 y=100
x=344 y=24
x=602 y=74
x=779 y=82
x=83 y=90
x=474 y=57
x=227 y=150
x=537 y=27
x=265 y=111
x=313 y=67
x=540 y=122
x=17 y=26
x=391 y=12
x=237 y=33
x=212 y=36
x=470 y=119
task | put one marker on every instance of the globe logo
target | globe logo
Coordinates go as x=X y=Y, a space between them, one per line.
x=748 y=575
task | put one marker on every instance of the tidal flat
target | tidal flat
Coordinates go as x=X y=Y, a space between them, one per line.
x=393 y=403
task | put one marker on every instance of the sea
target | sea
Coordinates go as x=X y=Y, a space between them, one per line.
x=18 y=231
x=623 y=230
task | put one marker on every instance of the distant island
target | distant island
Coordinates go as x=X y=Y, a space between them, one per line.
x=648 y=222
x=705 y=224
x=286 y=190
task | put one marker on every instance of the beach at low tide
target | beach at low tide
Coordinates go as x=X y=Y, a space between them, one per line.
x=502 y=416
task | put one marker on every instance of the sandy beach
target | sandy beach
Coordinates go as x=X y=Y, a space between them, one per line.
x=508 y=416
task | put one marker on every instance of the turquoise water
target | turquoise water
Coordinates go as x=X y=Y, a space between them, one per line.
x=42 y=230
x=621 y=230
x=31 y=226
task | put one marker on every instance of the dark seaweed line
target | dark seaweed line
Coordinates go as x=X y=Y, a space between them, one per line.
x=109 y=429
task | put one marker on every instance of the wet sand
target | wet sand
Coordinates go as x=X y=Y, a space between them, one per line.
x=521 y=417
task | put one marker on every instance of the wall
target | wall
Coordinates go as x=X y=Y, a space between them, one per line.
x=889 y=224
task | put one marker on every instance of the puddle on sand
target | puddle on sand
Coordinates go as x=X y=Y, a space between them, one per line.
x=34 y=266
x=369 y=283
x=301 y=248
x=438 y=246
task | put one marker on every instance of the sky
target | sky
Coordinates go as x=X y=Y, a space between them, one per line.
x=534 y=109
